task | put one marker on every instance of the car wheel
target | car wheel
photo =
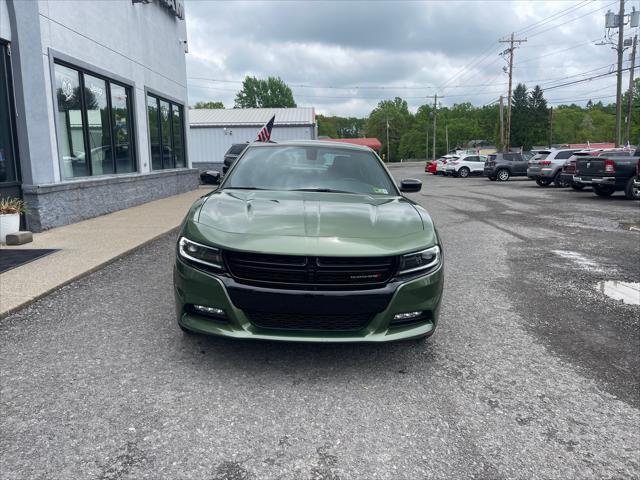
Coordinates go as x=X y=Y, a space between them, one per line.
x=631 y=191
x=493 y=179
x=603 y=191
x=577 y=187
x=543 y=182
x=503 y=175
x=464 y=172
x=559 y=182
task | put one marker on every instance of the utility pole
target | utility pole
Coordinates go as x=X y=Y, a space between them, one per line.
x=446 y=136
x=502 y=122
x=620 y=50
x=550 y=127
x=388 y=158
x=630 y=94
x=511 y=48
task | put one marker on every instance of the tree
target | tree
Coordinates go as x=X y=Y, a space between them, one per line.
x=269 y=93
x=340 y=127
x=538 y=118
x=209 y=105
x=396 y=112
x=520 y=119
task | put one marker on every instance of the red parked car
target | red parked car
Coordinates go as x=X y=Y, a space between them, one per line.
x=430 y=167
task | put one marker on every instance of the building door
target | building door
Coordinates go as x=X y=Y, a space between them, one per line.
x=9 y=163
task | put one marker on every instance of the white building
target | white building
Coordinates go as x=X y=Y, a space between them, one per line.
x=212 y=132
x=93 y=95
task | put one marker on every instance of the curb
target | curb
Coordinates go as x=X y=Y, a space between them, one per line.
x=84 y=274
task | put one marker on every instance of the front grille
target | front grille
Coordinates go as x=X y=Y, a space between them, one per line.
x=292 y=321
x=300 y=271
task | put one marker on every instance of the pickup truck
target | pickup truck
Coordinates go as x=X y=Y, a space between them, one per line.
x=610 y=173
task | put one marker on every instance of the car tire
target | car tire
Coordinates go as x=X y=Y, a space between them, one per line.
x=464 y=172
x=603 y=191
x=503 y=175
x=631 y=191
x=493 y=179
x=577 y=187
x=559 y=182
x=543 y=182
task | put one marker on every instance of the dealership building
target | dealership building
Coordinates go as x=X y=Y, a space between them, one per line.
x=93 y=106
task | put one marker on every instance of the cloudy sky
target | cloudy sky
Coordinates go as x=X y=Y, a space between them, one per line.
x=344 y=57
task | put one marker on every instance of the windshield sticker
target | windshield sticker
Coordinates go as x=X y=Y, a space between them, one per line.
x=380 y=190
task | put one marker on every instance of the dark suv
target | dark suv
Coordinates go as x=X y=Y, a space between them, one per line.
x=502 y=166
x=232 y=154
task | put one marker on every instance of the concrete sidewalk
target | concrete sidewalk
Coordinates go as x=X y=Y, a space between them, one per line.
x=86 y=246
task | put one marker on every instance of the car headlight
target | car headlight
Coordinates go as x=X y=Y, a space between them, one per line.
x=203 y=254
x=419 y=261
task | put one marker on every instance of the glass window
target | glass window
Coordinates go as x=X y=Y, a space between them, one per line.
x=70 y=123
x=125 y=160
x=8 y=169
x=178 y=143
x=95 y=99
x=154 y=133
x=165 y=128
x=564 y=155
x=166 y=133
x=94 y=127
x=310 y=168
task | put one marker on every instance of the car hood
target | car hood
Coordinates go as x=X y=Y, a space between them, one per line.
x=311 y=223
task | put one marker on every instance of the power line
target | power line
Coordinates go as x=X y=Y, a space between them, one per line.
x=555 y=52
x=571 y=20
x=569 y=101
x=587 y=79
x=553 y=17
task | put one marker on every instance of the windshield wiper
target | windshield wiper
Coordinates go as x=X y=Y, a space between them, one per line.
x=321 y=190
x=244 y=188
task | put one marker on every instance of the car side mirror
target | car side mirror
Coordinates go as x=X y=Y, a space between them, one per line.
x=410 y=185
x=210 y=177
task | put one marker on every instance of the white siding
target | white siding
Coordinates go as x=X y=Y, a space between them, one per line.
x=5 y=27
x=209 y=144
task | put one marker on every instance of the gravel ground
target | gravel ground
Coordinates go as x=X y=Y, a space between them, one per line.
x=533 y=372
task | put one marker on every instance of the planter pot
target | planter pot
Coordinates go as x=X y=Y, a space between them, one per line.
x=9 y=223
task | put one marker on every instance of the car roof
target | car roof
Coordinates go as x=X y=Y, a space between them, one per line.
x=312 y=143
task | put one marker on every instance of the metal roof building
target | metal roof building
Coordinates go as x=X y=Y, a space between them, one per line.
x=212 y=132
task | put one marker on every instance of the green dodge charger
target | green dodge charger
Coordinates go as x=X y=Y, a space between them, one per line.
x=309 y=241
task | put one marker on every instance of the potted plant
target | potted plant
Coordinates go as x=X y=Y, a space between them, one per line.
x=10 y=210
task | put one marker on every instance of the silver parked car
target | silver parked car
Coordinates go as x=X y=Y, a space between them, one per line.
x=546 y=167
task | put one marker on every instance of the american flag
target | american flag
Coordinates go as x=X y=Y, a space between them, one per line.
x=264 y=135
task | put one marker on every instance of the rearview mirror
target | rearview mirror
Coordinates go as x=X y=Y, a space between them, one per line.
x=410 y=185
x=210 y=177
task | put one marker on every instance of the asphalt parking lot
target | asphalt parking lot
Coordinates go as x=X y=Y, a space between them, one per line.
x=533 y=372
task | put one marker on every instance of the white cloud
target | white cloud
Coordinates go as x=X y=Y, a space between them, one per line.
x=411 y=48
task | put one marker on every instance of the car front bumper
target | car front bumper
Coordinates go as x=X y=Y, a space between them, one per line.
x=196 y=287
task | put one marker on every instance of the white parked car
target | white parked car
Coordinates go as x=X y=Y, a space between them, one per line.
x=466 y=165
x=442 y=162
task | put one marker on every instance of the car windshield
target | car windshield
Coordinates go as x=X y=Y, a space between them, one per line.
x=310 y=168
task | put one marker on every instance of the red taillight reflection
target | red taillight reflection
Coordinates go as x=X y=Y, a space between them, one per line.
x=609 y=166
x=545 y=162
